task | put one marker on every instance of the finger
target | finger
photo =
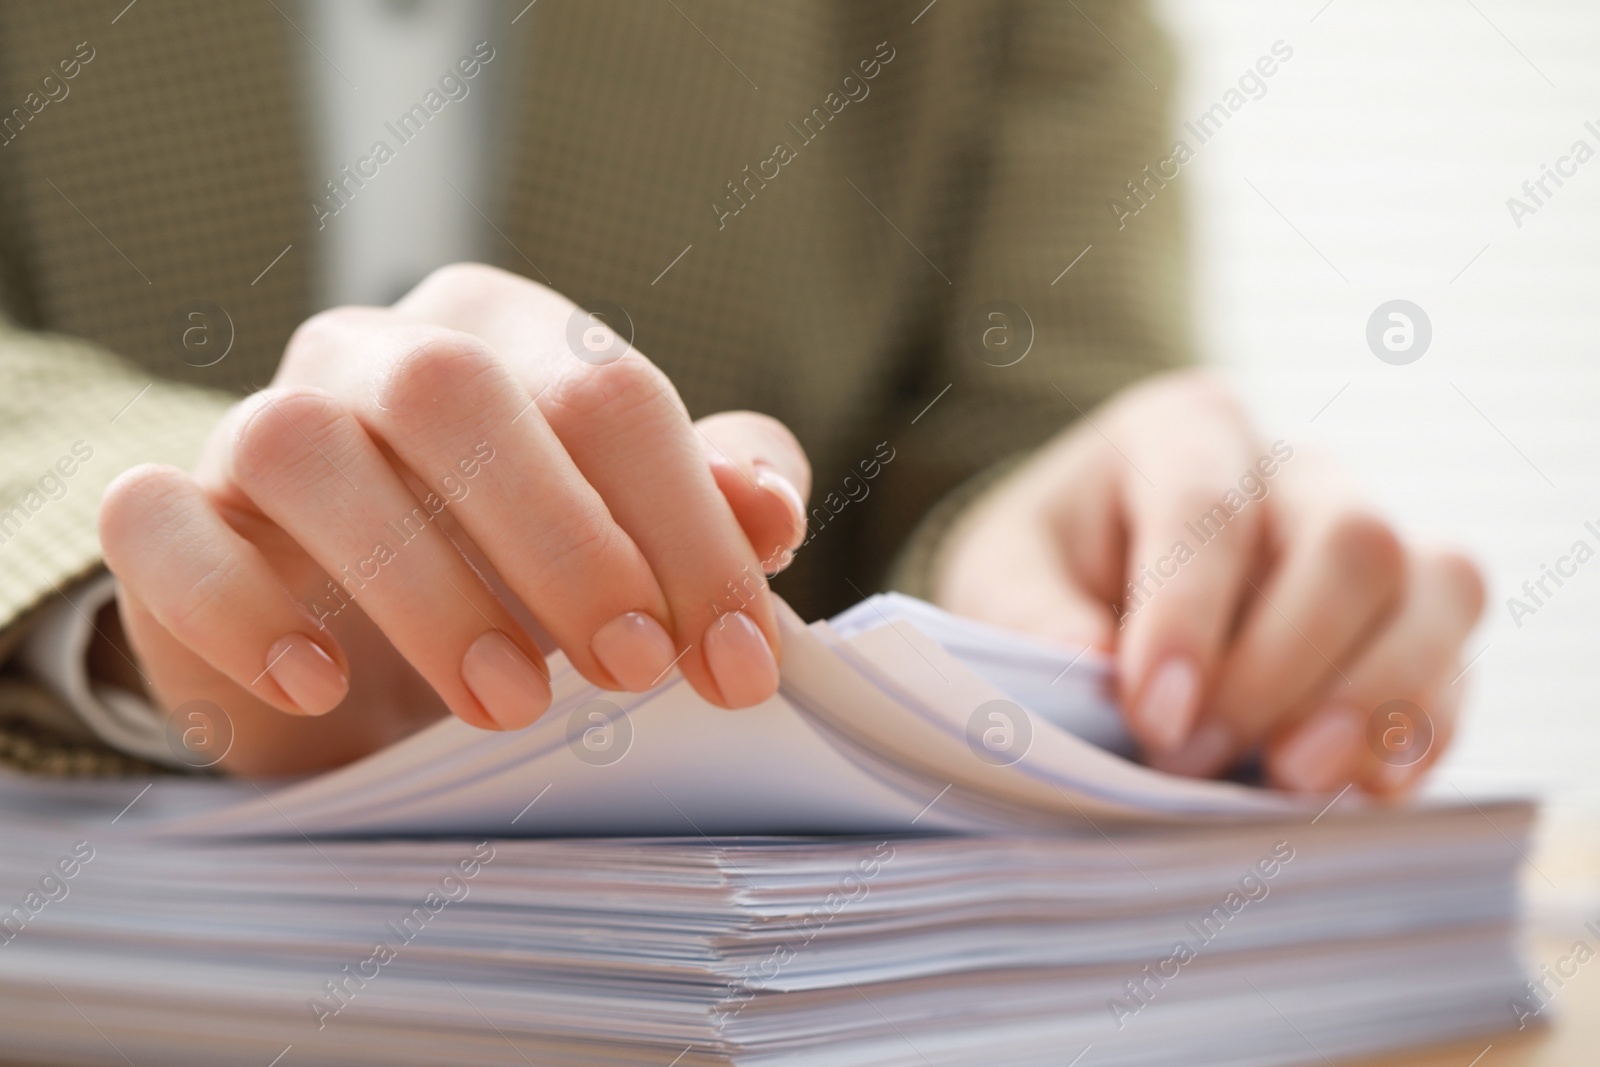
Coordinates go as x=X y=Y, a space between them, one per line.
x=622 y=426
x=1000 y=569
x=1408 y=661
x=764 y=475
x=463 y=425
x=215 y=594
x=250 y=736
x=1195 y=527
x=627 y=431
x=1339 y=580
x=1400 y=768
x=1001 y=564
x=300 y=458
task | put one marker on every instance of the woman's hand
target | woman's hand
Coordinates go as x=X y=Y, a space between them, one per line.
x=1251 y=600
x=424 y=488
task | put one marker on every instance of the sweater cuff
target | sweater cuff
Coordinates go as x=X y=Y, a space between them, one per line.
x=56 y=654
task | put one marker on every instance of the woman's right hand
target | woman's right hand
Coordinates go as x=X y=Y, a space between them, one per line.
x=343 y=539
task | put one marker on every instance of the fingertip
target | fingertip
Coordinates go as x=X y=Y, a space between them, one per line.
x=1207 y=753
x=764 y=475
x=1321 y=753
x=506 y=683
x=769 y=508
x=779 y=485
x=131 y=499
x=741 y=661
x=312 y=679
x=1394 y=783
x=1168 y=703
x=1388 y=787
x=635 y=650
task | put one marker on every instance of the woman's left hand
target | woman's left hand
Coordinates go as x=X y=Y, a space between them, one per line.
x=1252 y=601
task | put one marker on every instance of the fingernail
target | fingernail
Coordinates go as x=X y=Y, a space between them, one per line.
x=769 y=479
x=634 y=649
x=1168 y=707
x=507 y=684
x=740 y=660
x=308 y=675
x=1204 y=755
x=1318 y=754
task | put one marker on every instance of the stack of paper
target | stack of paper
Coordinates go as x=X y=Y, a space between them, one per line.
x=1011 y=890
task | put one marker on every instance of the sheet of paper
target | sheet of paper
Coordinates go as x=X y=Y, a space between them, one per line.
x=871 y=732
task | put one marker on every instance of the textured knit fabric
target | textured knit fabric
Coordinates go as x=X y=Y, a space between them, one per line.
x=805 y=208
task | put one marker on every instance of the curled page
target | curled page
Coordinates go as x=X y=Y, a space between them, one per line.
x=889 y=722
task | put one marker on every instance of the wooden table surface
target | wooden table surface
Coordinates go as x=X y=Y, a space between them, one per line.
x=1571 y=1039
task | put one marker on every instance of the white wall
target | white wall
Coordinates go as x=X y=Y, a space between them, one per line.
x=1391 y=141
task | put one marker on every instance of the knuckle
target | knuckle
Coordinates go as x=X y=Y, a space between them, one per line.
x=438 y=367
x=132 y=500
x=1209 y=390
x=454 y=288
x=459 y=290
x=582 y=544
x=1201 y=499
x=281 y=432
x=196 y=615
x=773 y=430
x=457 y=280
x=759 y=437
x=1200 y=388
x=1366 y=549
x=771 y=425
x=322 y=333
x=1214 y=510
x=614 y=391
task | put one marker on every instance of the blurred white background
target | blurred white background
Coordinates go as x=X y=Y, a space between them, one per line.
x=1377 y=166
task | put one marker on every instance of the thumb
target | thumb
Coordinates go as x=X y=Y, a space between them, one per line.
x=1008 y=562
x=765 y=477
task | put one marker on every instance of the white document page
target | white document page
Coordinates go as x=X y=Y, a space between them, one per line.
x=870 y=732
